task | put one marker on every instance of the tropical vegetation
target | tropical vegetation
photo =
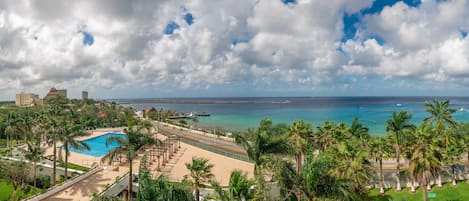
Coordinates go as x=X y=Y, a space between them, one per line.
x=331 y=161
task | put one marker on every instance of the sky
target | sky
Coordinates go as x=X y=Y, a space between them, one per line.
x=213 y=48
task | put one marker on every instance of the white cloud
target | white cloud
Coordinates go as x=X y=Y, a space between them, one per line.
x=254 y=42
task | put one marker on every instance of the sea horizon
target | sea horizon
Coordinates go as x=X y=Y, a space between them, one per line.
x=240 y=113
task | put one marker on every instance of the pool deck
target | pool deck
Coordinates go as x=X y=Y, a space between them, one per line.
x=174 y=170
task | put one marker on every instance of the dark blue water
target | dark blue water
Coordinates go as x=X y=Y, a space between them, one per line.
x=238 y=114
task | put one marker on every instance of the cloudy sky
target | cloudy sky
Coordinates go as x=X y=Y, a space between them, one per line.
x=180 y=48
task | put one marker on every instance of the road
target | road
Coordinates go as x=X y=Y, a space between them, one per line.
x=201 y=139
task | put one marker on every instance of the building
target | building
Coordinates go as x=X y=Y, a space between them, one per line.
x=27 y=99
x=84 y=95
x=53 y=92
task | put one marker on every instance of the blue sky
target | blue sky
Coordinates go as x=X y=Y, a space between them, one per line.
x=231 y=48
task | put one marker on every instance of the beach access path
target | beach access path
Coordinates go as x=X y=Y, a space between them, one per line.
x=222 y=143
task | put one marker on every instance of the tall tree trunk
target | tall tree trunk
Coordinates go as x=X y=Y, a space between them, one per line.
x=398 y=168
x=197 y=194
x=412 y=184
x=66 y=164
x=453 y=174
x=34 y=173
x=440 y=185
x=54 y=165
x=424 y=191
x=298 y=170
x=129 y=192
x=381 y=177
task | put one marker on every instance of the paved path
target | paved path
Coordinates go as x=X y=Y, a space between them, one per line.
x=225 y=145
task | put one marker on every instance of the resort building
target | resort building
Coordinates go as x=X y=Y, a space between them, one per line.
x=27 y=99
x=53 y=92
x=84 y=95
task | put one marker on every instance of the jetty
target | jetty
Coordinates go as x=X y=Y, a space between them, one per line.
x=190 y=115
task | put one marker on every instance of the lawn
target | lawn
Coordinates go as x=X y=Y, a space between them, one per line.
x=74 y=166
x=447 y=193
x=6 y=190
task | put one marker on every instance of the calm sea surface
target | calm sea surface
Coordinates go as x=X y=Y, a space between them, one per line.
x=238 y=114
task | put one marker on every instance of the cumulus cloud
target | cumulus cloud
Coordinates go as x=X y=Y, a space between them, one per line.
x=255 y=43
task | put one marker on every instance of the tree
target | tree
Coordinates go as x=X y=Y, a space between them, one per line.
x=16 y=173
x=299 y=134
x=426 y=156
x=263 y=143
x=327 y=135
x=239 y=187
x=34 y=153
x=68 y=136
x=441 y=116
x=380 y=149
x=159 y=189
x=200 y=174
x=359 y=131
x=397 y=128
x=53 y=136
x=351 y=163
x=129 y=145
x=10 y=126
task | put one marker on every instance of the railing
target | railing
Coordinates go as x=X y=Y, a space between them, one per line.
x=63 y=186
x=110 y=189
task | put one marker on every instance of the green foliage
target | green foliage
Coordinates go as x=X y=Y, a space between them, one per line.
x=159 y=189
x=74 y=166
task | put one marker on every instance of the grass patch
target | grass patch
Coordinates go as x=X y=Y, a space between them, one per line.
x=74 y=166
x=6 y=190
x=447 y=193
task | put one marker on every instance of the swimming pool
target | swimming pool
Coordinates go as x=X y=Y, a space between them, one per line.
x=98 y=145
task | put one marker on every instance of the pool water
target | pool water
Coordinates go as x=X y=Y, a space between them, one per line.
x=98 y=145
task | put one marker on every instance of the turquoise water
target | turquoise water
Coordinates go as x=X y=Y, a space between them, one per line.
x=238 y=114
x=98 y=145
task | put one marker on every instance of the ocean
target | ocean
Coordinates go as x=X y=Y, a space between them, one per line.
x=239 y=114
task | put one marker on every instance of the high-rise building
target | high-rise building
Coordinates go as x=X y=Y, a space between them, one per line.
x=26 y=99
x=53 y=92
x=84 y=95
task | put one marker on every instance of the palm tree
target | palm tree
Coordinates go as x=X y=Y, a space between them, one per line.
x=129 y=145
x=16 y=173
x=441 y=116
x=426 y=156
x=299 y=134
x=53 y=136
x=34 y=153
x=200 y=173
x=329 y=134
x=10 y=127
x=159 y=189
x=351 y=163
x=260 y=148
x=239 y=187
x=397 y=128
x=380 y=149
x=359 y=131
x=67 y=135
x=452 y=157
